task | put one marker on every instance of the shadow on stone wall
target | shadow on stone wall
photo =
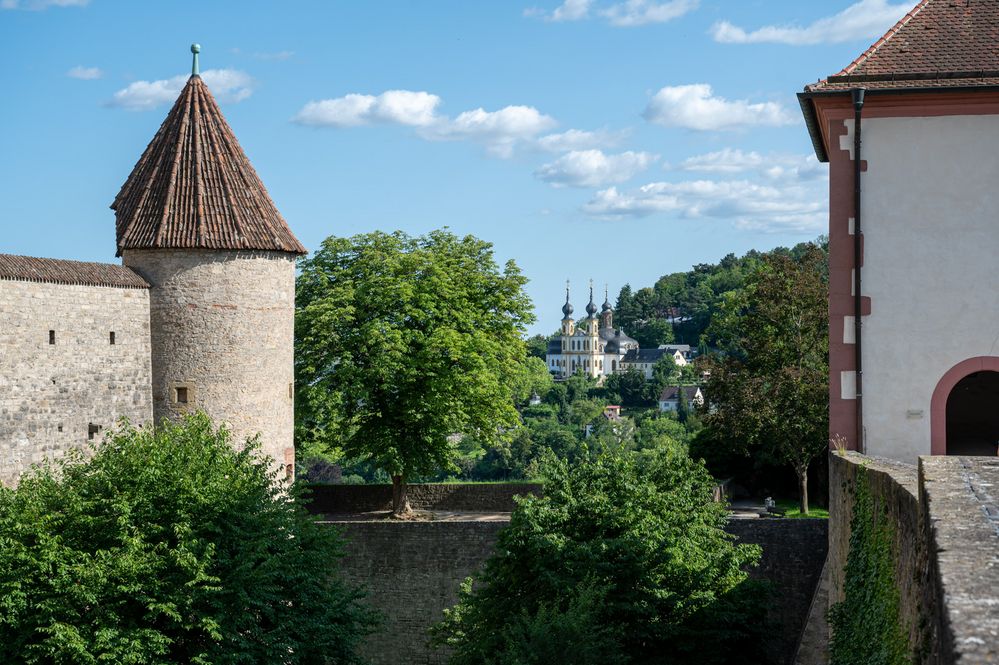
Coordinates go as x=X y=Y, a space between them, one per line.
x=945 y=520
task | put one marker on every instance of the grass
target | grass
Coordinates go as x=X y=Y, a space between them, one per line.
x=793 y=510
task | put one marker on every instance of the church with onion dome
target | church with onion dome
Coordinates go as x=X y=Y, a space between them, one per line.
x=590 y=345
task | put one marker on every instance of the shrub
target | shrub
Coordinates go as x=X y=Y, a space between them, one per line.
x=166 y=547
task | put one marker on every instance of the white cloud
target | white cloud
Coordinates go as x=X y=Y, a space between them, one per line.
x=570 y=10
x=593 y=168
x=633 y=13
x=773 y=166
x=402 y=107
x=38 y=5
x=749 y=205
x=577 y=139
x=85 y=73
x=695 y=107
x=867 y=19
x=227 y=85
x=500 y=131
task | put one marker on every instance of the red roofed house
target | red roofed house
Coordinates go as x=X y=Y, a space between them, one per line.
x=911 y=133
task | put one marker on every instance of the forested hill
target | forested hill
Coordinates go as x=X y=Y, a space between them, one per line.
x=679 y=306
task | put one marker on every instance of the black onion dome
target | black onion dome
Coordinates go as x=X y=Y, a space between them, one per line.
x=567 y=308
x=591 y=307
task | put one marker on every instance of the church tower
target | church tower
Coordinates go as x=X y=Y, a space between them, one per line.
x=195 y=221
x=607 y=313
x=593 y=363
x=568 y=325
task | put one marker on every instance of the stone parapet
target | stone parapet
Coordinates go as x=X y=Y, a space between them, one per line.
x=945 y=523
x=457 y=497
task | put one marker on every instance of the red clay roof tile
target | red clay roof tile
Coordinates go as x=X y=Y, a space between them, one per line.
x=58 y=271
x=938 y=44
x=194 y=187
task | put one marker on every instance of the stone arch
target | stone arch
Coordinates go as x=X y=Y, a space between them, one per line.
x=938 y=403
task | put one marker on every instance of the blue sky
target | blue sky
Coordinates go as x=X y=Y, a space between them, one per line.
x=616 y=140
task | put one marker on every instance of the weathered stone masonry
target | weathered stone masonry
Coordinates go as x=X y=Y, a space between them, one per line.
x=60 y=395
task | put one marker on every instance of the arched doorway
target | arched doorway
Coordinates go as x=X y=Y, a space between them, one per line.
x=964 y=409
x=973 y=415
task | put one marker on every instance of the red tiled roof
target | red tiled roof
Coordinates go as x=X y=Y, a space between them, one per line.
x=938 y=44
x=194 y=187
x=58 y=271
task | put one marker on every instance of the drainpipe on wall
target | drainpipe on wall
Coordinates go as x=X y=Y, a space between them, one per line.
x=858 y=107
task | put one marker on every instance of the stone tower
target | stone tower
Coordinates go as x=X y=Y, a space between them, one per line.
x=196 y=222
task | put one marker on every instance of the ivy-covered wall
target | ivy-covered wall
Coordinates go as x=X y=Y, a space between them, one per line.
x=912 y=551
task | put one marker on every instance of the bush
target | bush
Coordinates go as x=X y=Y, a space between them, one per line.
x=168 y=547
x=617 y=557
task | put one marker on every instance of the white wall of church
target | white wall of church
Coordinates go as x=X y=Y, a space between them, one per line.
x=931 y=266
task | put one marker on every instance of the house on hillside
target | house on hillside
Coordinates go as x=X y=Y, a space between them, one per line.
x=910 y=130
x=669 y=399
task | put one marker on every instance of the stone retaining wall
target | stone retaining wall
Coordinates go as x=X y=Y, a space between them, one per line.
x=452 y=497
x=793 y=553
x=945 y=518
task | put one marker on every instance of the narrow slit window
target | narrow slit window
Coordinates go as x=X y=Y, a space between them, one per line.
x=111 y=339
x=51 y=337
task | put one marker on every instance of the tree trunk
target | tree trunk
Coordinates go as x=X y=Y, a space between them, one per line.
x=803 y=488
x=400 y=496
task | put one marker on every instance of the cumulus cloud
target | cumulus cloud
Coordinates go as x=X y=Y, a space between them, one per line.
x=626 y=14
x=38 y=5
x=577 y=139
x=85 y=73
x=866 y=19
x=748 y=204
x=500 y=131
x=402 y=107
x=773 y=166
x=227 y=85
x=570 y=10
x=634 y=13
x=696 y=107
x=593 y=168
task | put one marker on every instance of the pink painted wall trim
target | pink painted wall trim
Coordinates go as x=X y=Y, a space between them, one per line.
x=938 y=404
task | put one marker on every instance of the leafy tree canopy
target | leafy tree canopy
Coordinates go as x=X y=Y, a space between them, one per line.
x=169 y=547
x=403 y=341
x=621 y=561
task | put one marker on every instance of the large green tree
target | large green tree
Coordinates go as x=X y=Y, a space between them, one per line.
x=169 y=547
x=623 y=560
x=769 y=393
x=403 y=341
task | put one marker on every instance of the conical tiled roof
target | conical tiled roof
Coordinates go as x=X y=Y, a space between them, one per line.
x=194 y=188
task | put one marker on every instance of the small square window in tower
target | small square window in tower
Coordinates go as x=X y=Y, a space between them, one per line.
x=180 y=396
x=92 y=431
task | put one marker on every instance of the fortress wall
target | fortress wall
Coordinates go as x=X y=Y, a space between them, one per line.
x=945 y=520
x=793 y=553
x=412 y=569
x=223 y=331
x=457 y=497
x=50 y=394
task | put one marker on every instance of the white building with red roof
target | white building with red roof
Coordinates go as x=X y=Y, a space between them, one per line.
x=910 y=130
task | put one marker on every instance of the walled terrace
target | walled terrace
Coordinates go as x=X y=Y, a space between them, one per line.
x=943 y=515
x=412 y=569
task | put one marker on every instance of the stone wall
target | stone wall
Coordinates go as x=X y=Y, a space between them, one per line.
x=793 y=553
x=57 y=396
x=223 y=333
x=451 y=497
x=945 y=518
x=411 y=571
